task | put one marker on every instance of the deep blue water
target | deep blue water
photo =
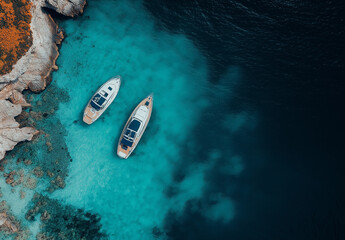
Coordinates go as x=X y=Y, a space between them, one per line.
x=292 y=58
x=246 y=140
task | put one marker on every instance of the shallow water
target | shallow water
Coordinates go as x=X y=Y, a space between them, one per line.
x=120 y=38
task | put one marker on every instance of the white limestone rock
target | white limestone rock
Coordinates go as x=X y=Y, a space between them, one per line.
x=32 y=71
x=68 y=8
x=10 y=132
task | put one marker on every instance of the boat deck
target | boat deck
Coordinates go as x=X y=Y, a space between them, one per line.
x=141 y=114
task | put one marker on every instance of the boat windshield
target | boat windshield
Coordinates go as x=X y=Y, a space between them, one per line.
x=97 y=102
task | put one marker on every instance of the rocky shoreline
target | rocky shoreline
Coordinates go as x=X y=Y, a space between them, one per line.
x=10 y=131
x=33 y=70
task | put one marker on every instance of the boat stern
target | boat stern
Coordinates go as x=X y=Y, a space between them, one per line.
x=123 y=151
x=122 y=154
x=87 y=119
x=89 y=115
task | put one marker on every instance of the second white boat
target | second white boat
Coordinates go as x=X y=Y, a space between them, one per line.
x=135 y=127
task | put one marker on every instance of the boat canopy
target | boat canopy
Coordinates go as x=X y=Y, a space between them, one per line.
x=97 y=102
x=131 y=131
x=126 y=142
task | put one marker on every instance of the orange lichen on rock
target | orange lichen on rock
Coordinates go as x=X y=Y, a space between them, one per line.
x=15 y=32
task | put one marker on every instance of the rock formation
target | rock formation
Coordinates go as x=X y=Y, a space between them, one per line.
x=7 y=223
x=10 y=132
x=32 y=71
x=68 y=8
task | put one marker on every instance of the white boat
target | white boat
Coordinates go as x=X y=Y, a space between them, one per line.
x=135 y=127
x=101 y=100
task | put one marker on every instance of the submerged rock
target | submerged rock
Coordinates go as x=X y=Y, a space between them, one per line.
x=36 y=115
x=10 y=131
x=156 y=232
x=42 y=236
x=64 y=221
x=38 y=172
x=58 y=182
x=27 y=162
x=30 y=183
x=49 y=145
x=50 y=174
x=45 y=216
x=22 y=194
x=9 y=177
x=8 y=223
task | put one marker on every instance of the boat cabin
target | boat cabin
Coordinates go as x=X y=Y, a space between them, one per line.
x=130 y=134
x=99 y=100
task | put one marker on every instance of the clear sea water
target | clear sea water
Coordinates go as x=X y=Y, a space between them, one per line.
x=246 y=137
x=233 y=86
x=131 y=196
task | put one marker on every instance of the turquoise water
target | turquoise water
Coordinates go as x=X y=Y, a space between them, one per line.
x=236 y=141
x=120 y=38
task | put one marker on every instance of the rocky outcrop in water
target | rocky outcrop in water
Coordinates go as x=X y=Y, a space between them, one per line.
x=10 y=132
x=32 y=71
x=64 y=221
x=68 y=8
x=8 y=223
